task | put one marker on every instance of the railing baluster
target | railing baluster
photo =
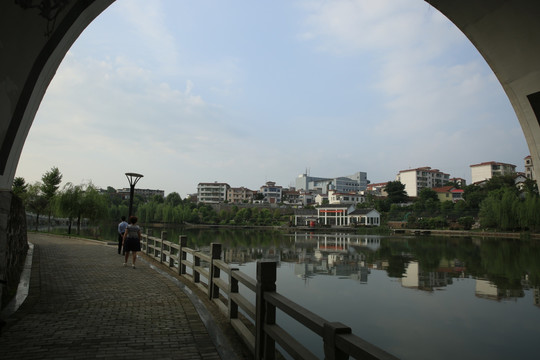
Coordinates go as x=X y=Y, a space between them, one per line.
x=215 y=253
x=196 y=263
x=182 y=241
x=161 y=254
x=233 y=289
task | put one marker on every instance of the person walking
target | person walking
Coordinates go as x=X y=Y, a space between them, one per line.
x=121 y=230
x=132 y=240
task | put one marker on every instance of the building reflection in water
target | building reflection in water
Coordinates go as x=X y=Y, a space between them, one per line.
x=354 y=257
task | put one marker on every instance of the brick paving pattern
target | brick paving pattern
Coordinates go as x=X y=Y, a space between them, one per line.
x=83 y=304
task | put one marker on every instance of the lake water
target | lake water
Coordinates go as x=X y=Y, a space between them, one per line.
x=419 y=297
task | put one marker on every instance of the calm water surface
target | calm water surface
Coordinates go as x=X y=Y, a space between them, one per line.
x=415 y=297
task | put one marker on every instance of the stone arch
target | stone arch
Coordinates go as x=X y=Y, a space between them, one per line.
x=47 y=29
x=507 y=35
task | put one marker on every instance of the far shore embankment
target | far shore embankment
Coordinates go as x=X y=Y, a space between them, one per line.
x=363 y=230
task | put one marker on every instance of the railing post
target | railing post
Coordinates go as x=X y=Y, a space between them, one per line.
x=233 y=289
x=215 y=254
x=330 y=331
x=163 y=238
x=196 y=263
x=163 y=234
x=149 y=233
x=182 y=241
x=265 y=347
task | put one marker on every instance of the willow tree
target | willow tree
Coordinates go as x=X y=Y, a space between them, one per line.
x=69 y=203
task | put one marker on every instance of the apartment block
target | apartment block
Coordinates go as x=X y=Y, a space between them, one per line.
x=212 y=192
x=419 y=178
x=240 y=195
x=487 y=170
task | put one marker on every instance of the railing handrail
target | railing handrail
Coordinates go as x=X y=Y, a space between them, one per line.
x=338 y=340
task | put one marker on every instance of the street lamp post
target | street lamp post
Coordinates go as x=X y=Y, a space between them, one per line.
x=133 y=178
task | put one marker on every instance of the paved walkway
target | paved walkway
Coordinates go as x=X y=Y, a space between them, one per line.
x=84 y=304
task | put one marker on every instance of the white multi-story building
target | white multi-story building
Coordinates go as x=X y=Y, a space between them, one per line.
x=349 y=183
x=487 y=170
x=424 y=177
x=529 y=167
x=212 y=192
x=353 y=198
x=272 y=192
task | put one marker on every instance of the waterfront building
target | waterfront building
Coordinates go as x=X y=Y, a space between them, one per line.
x=365 y=216
x=240 y=195
x=419 y=178
x=337 y=215
x=272 y=193
x=349 y=183
x=529 y=167
x=212 y=193
x=487 y=170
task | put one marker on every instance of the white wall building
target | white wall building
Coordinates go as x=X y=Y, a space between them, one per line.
x=486 y=170
x=355 y=182
x=529 y=167
x=272 y=192
x=353 y=198
x=212 y=192
x=419 y=178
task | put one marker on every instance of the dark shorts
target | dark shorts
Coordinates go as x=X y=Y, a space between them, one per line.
x=132 y=244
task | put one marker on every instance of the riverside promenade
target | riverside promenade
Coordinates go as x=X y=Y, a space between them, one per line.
x=84 y=304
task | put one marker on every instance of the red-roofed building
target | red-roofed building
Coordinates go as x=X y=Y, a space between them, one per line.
x=449 y=193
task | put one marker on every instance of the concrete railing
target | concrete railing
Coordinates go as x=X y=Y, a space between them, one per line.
x=220 y=282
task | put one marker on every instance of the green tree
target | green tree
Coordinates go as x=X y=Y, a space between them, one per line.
x=35 y=201
x=94 y=206
x=51 y=182
x=173 y=199
x=19 y=187
x=427 y=193
x=396 y=192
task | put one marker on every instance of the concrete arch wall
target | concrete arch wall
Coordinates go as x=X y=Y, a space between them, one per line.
x=33 y=43
x=507 y=34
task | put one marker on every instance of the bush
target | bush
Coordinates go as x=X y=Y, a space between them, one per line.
x=466 y=221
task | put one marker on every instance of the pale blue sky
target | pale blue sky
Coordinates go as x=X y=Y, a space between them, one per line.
x=246 y=92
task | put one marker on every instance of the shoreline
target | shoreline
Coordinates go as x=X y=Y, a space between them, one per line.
x=414 y=232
